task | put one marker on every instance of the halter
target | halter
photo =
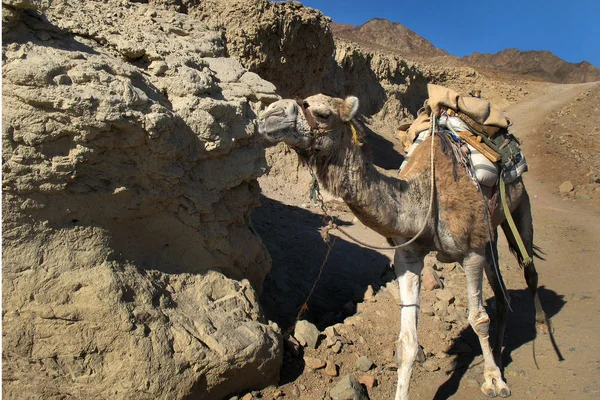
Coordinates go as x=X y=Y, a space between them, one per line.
x=315 y=131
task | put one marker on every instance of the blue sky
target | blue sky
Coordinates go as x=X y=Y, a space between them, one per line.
x=568 y=28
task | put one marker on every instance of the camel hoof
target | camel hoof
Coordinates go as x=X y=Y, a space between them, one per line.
x=502 y=389
x=489 y=390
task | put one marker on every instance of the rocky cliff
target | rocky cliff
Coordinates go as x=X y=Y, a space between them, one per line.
x=542 y=65
x=129 y=173
x=284 y=42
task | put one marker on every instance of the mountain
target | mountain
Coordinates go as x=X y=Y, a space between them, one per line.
x=381 y=34
x=538 y=64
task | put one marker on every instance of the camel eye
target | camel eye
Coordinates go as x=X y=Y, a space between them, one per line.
x=322 y=114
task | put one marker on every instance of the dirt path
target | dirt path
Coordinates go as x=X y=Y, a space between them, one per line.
x=567 y=228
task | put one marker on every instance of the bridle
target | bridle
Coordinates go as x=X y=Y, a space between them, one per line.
x=316 y=131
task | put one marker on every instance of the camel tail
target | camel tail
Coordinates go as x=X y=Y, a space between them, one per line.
x=537 y=253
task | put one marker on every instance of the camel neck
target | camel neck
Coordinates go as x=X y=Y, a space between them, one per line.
x=387 y=205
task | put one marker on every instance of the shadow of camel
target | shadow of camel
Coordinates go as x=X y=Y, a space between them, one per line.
x=291 y=234
x=520 y=329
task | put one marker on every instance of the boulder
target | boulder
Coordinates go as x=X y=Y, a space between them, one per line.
x=348 y=388
x=306 y=333
x=130 y=270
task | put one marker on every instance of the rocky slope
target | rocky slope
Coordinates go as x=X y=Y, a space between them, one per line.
x=129 y=173
x=284 y=42
x=541 y=65
x=381 y=34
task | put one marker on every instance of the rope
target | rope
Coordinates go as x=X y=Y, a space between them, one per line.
x=304 y=306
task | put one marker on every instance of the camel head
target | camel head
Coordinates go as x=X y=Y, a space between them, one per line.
x=317 y=123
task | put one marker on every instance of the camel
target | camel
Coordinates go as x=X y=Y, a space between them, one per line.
x=323 y=130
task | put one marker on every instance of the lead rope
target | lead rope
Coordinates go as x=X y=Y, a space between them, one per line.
x=331 y=225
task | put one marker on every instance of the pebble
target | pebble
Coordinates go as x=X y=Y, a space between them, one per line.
x=306 y=333
x=566 y=187
x=427 y=309
x=337 y=347
x=331 y=369
x=430 y=279
x=348 y=388
x=431 y=365
x=295 y=391
x=445 y=295
x=364 y=363
x=278 y=393
x=368 y=380
x=314 y=363
x=330 y=332
x=158 y=67
x=247 y=396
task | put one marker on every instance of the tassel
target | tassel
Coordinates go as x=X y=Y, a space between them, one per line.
x=355 y=138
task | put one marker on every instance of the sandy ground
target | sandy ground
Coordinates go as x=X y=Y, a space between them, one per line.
x=567 y=229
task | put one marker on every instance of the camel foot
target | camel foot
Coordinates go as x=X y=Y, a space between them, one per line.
x=488 y=389
x=494 y=386
x=541 y=327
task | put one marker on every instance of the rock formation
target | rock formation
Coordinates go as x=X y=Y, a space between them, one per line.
x=129 y=173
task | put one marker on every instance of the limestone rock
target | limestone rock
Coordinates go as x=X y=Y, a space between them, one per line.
x=307 y=334
x=566 y=187
x=331 y=369
x=427 y=309
x=348 y=388
x=314 y=363
x=368 y=380
x=431 y=365
x=445 y=296
x=364 y=363
x=125 y=201
x=430 y=279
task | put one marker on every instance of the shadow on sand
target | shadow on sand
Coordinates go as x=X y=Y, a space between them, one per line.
x=520 y=330
x=291 y=234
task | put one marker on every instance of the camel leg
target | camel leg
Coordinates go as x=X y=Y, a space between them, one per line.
x=524 y=222
x=408 y=264
x=497 y=284
x=474 y=264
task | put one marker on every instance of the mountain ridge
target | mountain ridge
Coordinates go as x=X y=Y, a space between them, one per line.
x=381 y=34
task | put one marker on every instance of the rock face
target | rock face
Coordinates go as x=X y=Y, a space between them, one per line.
x=283 y=42
x=129 y=173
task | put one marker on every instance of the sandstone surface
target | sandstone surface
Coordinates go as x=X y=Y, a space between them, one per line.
x=130 y=161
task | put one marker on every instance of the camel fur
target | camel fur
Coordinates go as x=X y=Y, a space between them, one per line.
x=319 y=129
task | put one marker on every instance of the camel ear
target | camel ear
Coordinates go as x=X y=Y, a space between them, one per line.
x=349 y=108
